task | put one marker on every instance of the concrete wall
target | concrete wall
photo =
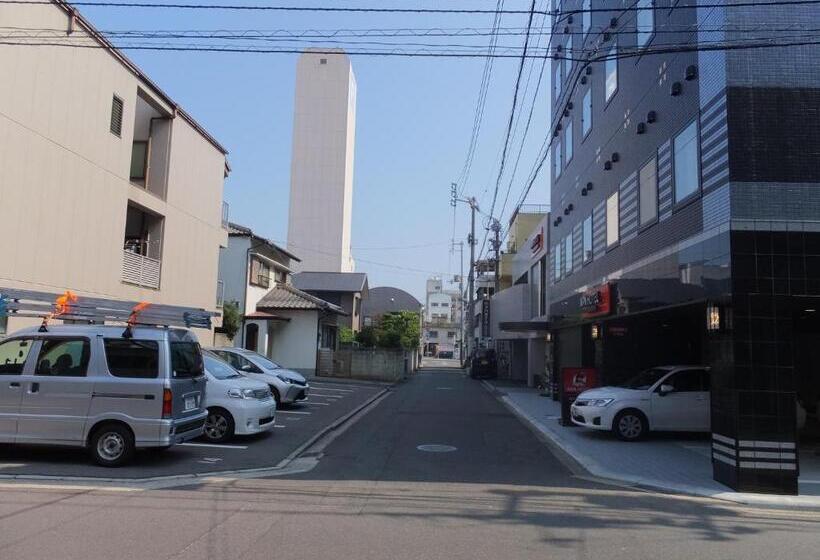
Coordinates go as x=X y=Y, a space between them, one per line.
x=374 y=364
x=295 y=342
x=321 y=188
x=65 y=177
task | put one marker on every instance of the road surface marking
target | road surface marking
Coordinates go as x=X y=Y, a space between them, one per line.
x=326 y=388
x=215 y=445
x=436 y=448
x=291 y=412
x=327 y=396
x=279 y=426
x=311 y=403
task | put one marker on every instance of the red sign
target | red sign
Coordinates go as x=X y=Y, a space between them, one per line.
x=537 y=242
x=577 y=380
x=597 y=301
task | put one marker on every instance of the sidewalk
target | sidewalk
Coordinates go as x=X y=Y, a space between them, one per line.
x=678 y=463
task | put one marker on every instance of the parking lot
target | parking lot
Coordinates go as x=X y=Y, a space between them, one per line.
x=295 y=424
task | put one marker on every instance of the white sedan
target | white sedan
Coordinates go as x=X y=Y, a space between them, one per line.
x=287 y=386
x=236 y=404
x=665 y=398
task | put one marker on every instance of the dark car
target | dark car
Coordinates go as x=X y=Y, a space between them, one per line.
x=484 y=364
x=446 y=355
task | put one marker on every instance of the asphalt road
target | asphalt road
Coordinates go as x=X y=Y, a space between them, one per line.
x=295 y=424
x=500 y=494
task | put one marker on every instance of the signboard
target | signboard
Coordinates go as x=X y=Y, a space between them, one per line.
x=597 y=301
x=574 y=381
x=485 y=318
x=537 y=242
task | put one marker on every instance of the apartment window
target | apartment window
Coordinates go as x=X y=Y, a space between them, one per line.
x=557 y=85
x=142 y=247
x=568 y=59
x=260 y=273
x=556 y=253
x=151 y=145
x=451 y=334
x=568 y=254
x=648 y=184
x=613 y=223
x=117 y=107
x=434 y=304
x=445 y=305
x=568 y=140
x=645 y=21
x=139 y=161
x=587 y=234
x=432 y=334
x=687 y=170
x=586 y=113
x=586 y=16
x=556 y=159
x=611 y=70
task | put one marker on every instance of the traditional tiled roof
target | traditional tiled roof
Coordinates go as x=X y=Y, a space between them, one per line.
x=331 y=281
x=285 y=296
x=242 y=231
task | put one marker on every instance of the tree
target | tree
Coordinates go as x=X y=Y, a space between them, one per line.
x=231 y=319
x=346 y=335
x=367 y=337
x=399 y=330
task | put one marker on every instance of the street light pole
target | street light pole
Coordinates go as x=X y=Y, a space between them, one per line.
x=496 y=227
x=470 y=284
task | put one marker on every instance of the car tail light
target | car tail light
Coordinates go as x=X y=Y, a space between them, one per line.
x=167 y=401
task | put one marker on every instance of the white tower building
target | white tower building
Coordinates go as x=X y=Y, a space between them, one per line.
x=321 y=176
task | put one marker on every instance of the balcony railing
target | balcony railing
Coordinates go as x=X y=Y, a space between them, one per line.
x=220 y=293
x=140 y=270
x=226 y=213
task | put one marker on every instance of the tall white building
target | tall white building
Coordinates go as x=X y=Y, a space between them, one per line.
x=321 y=179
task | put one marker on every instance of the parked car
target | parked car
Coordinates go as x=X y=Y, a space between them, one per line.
x=483 y=364
x=446 y=355
x=235 y=404
x=665 y=398
x=102 y=387
x=287 y=386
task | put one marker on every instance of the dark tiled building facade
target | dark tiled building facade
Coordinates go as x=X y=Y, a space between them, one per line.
x=686 y=184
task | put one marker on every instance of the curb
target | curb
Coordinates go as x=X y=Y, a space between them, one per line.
x=157 y=482
x=584 y=466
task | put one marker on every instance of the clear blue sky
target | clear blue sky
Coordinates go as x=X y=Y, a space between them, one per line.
x=415 y=116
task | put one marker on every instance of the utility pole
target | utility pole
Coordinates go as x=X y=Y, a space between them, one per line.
x=496 y=227
x=471 y=276
x=460 y=245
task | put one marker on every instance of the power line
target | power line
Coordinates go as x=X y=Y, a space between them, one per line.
x=265 y=8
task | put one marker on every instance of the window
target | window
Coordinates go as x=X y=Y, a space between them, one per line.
x=535 y=289
x=13 y=355
x=688 y=381
x=611 y=69
x=127 y=357
x=543 y=285
x=432 y=334
x=557 y=262
x=117 y=107
x=568 y=58
x=329 y=336
x=260 y=273
x=186 y=359
x=434 y=304
x=556 y=159
x=586 y=113
x=586 y=17
x=557 y=85
x=645 y=21
x=568 y=141
x=64 y=358
x=251 y=336
x=568 y=254
x=612 y=220
x=451 y=334
x=687 y=170
x=445 y=305
x=139 y=161
x=587 y=239
x=648 y=185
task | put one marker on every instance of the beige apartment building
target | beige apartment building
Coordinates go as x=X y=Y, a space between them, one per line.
x=108 y=188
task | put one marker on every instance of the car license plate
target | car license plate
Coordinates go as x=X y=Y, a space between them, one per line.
x=190 y=403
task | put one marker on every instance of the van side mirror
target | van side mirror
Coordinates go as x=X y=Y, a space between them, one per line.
x=665 y=390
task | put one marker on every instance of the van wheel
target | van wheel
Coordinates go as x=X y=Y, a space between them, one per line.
x=219 y=426
x=630 y=425
x=112 y=445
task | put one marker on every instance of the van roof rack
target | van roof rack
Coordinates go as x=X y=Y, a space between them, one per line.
x=69 y=306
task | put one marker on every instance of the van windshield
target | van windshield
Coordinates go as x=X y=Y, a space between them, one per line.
x=186 y=359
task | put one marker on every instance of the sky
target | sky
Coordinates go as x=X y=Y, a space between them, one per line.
x=414 y=122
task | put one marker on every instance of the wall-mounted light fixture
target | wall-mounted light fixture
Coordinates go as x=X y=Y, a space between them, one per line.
x=713 y=317
x=548 y=337
x=595 y=331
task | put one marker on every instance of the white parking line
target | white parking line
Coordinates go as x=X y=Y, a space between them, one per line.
x=215 y=445
x=279 y=426
x=291 y=412
x=327 y=396
x=328 y=388
x=311 y=403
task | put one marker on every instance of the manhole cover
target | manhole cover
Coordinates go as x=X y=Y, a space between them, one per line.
x=436 y=448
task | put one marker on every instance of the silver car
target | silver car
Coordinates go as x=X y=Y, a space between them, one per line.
x=286 y=385
x=106 y=388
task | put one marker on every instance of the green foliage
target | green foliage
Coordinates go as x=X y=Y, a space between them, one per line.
x=231 y=319
x=367 y=337
x=399 y=330
x=346 y=335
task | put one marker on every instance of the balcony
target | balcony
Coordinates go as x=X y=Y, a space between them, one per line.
x=140 y=269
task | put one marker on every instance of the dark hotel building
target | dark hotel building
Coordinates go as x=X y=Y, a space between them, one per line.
x=685 y=193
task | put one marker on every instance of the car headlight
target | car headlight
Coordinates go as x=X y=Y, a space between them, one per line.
x=237 y=393
x=283 y=378
x=599 y=402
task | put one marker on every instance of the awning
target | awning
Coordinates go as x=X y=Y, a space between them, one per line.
x=524 y=326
